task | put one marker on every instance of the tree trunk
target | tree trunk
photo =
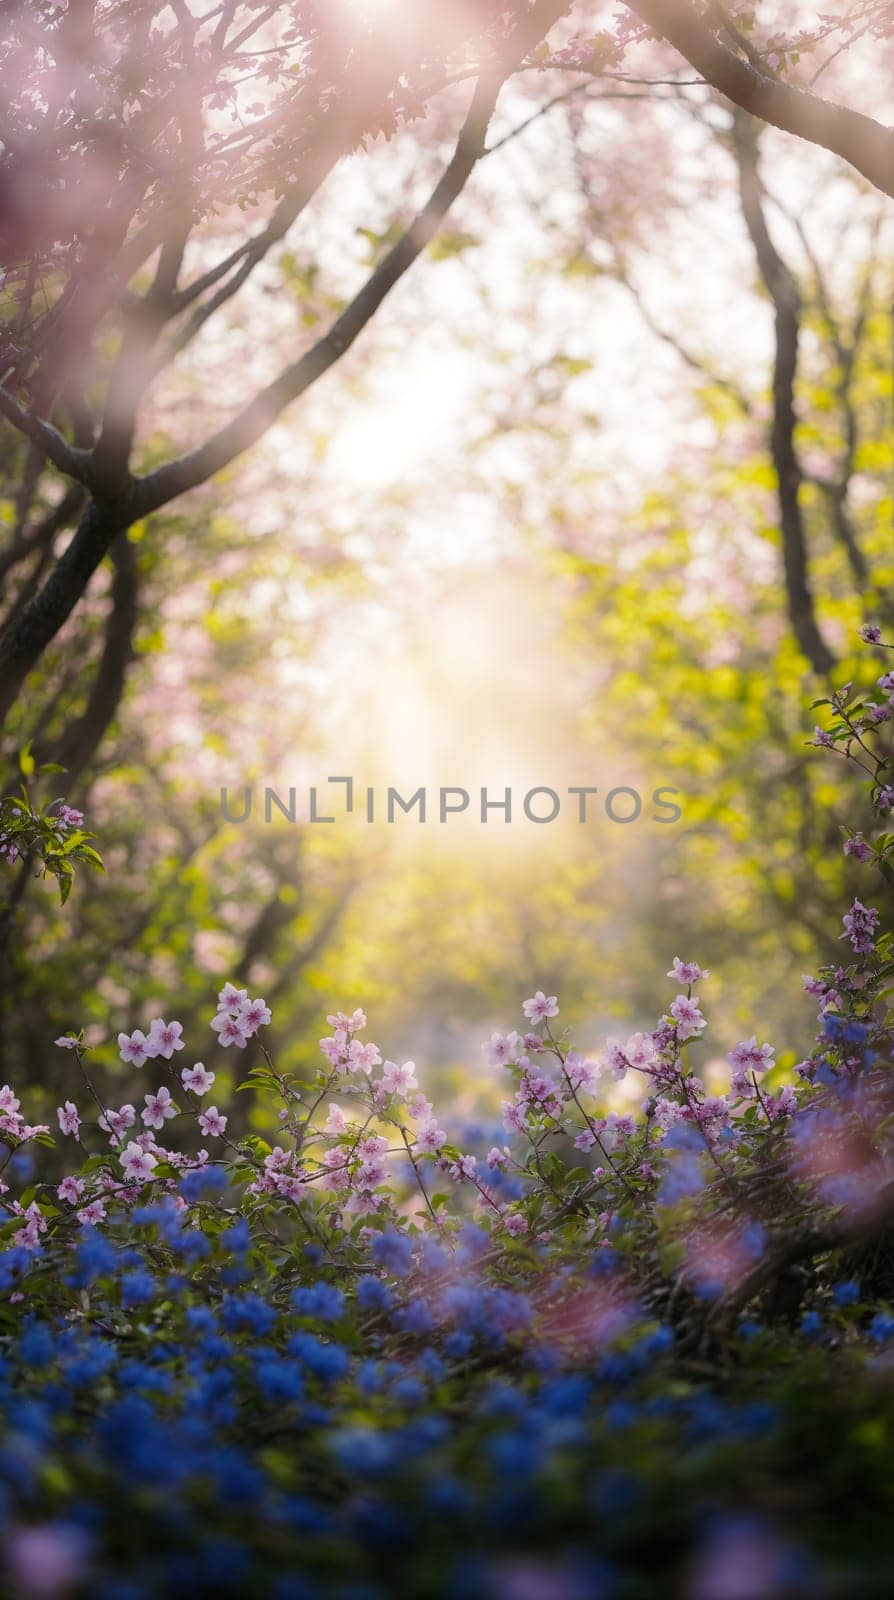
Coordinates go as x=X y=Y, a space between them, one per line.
x=27 y=634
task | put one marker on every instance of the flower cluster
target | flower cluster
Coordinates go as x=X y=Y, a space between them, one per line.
x=53 y=836
x=496 y=1350
x=308 y=1347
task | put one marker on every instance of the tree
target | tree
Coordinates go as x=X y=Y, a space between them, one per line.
x=712 y=40
x=118 y=164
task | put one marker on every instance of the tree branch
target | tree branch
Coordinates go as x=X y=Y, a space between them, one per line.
x=783 y=290
x=864 y=143
x=70 y=460
x=187 y=471
x=114 y=507
x=27 y=540
x=28 y=634
x=81 y=739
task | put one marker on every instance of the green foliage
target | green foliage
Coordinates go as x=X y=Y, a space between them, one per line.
x=49 y=838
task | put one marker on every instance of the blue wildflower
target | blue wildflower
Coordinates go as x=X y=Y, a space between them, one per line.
x=373 y=1294
x=329 y=1362
x=845 y=1293
x=247 y=1313
x=394 y=1251
x=203 y=1183
x=320 y=1300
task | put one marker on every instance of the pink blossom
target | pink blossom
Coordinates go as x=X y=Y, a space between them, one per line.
x=254 y=1014
x=290 y=1184
x=352 y=1024
x=540 y=1006
x=335 y=1049
x=585 y=1140
x=782 y=1105
x=365 y=1203
x=133 y=1047
x=640 y=1052
x=515 y=1223
x=399 y=1080
x=197 y=1078
x=429 y=1137
x=71 y=1189
x=69 y=1121
x=859 y=926
x=857 y=846
x=667 y=1112
x=137 y=1164
x=502 y=1049
x=212 y=1123
x=619 y=1129
x=159 y=1107
x=370 y=1174
x=687 y=1016
x=614 y=1060
x=336 y=1122
x=514 y=1118
x=115 y=1122
x=164 y=1038
x=581 y=1074
x=372 y=1146
x=363 y=1057
x=497 y=1157
x=9 y=1103
x=231 y=999
x=47 y=1560
x=228 y=1030
x=338 y=1176
x=69 y=817
x=539 y=1090
x=35 y=1223
x=277 y=1159
x=90 y=1214
x=67 y=1041
x=465 y=1167
x=713 y=1109
x=687 y=971
x=749 y=1057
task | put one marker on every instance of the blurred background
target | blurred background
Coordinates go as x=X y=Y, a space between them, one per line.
x=529 y=532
